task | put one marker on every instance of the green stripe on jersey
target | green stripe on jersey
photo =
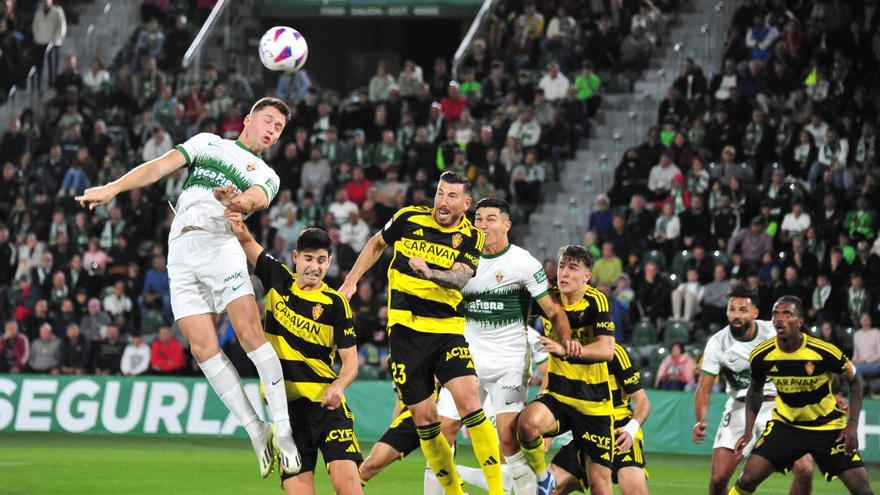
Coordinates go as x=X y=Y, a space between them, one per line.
x=209 y=172
x=498 y=307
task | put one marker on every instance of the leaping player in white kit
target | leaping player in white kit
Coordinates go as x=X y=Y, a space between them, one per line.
x=207 y=268
x=497 y=301
x=727 y=354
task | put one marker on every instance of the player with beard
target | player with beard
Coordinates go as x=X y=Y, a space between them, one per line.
x=727 y=354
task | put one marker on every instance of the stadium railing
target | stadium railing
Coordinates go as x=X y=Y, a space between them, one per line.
x=478 y=25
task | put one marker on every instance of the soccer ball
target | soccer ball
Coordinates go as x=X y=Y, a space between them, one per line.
x=283 y=49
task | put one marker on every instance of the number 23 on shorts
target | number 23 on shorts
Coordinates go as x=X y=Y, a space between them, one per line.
x=398 y=373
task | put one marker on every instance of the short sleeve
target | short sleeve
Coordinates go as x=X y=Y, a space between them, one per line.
x=535 y=278
x=470 y=249
x=711 y=358
x=628 y=376
x=393 y=229
x=600 y=308
x=343 y=327
x=757 y=368
x=268 y=181
x=194 y=145
x=839 y=364
x=272 y=273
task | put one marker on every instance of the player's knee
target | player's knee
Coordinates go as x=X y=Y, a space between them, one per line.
x=746 y=482
x=251 y=337
x=718 y=483
x=203 y=349
x=803 y=469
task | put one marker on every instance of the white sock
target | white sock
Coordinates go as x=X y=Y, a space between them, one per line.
x=226 y=383
x=523 y=477
x=430 y=484
x=473 y=476
x=272 y=378
x=506 y=478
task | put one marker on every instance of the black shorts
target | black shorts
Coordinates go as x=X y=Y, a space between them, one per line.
x=593 y=435
x=570 y=459
x=417 y=357
x=402 y=435
x=317 y=428
x=782 y=444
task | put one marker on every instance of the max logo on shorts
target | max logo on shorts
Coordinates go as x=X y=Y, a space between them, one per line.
x=600 y=441
x=340 y=435
x=458 y=352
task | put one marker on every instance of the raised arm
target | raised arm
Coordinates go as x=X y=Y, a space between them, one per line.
x=454 y=278
x=253 y=199
x=554 y=312
x=368 y=257
x=140 y=176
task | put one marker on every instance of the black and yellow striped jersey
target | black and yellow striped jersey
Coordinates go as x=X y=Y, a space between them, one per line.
x=305 y=328
x=580 y=384
x=803 y=380
x=420 y=304
x=625 y=380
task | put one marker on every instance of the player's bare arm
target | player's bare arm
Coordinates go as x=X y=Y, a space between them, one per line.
x=368 y=257
x=552 y=308
x=251 y=200
x=754 y=399
x=701 y=406
x=332 y=398
x=454 y=278
x=600 y=350
x=251 y=247
x=143 y=175
x=850 y=436
x=625 y=436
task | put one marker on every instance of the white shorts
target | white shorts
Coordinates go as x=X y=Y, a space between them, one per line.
x=502 y=389
x=206 y=271
x=733 y=425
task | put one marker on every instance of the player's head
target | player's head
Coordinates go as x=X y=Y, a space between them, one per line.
x=263 y=125
x=741 y=308
x=493 y=216
x=312 y=257
x=573 y=268
x=452 y=199
x=788 y=316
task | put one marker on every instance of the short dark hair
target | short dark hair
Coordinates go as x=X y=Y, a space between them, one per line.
x=274 y=103
x=453 y=177
x=314 y=238
x=577 y=253
x=794 y=301
x=744 y=290
x=502 y=205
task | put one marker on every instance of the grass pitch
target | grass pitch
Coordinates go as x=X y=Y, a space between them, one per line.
x=32 y=464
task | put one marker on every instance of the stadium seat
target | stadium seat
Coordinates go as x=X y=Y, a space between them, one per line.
x=845 y=335
x=720 y=257
x=696 y=351
x=644 y=333
x=815 y=331
x=634 y=355
x=676 y=331
x=655 y=256
x=646 y=376
x=679 y=262
x=657 y=355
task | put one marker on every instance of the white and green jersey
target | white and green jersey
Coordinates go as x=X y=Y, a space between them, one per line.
x=729 y=356
x=497 y=301
x=216 y=162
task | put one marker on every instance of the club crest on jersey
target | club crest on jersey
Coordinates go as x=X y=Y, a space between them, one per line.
x=251 y=166
x=317 y=311
x=809 y=367
x=456 y=241
x=499 y=276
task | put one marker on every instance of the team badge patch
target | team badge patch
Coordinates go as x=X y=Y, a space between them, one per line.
x=499 y=276
x=317 y=311
x=251 y=166
x=809 y=367
x=456 y=240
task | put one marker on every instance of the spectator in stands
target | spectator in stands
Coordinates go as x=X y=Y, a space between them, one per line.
x=676 y=371
x=795 y=223
x=601 y=217
x=635 y=51
x=166 y=354
x=136 y=357
x=696 y=223
x=118 y=304
x=14 y=349
x=176 y=43
x=660 y=178
x=667 y=228
x=866 y=350
x=75 y=352
x=714 y=301
x=525 y=129
x=158 y=144
x=588 y=85
x=45 y=352
x=752 y=242
x=687 y=296
x=49 y=27
x=156 y=293
x=380 y=83
x=607 y=268
x=691 y=84
x=554 y=83
x=527 y=181
x=108 y=353
x=93 y=325
x=653 y=293
x=858 y=301
x=861 y=220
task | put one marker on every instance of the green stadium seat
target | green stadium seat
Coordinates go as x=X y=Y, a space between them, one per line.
x=655 y=256
x=644 y=333
x=679 y=262
x=815 y=331
x=657 y=355
x=646 y=376
x=720 y=257
x=634 y=355
x=696 y=351
x=846 y=338
x=676 y=331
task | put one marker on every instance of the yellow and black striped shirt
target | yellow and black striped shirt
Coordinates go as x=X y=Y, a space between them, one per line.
x=420 y=304
x=580 y=384
x=625 y=380
x=803 y=381
x=305 y=328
